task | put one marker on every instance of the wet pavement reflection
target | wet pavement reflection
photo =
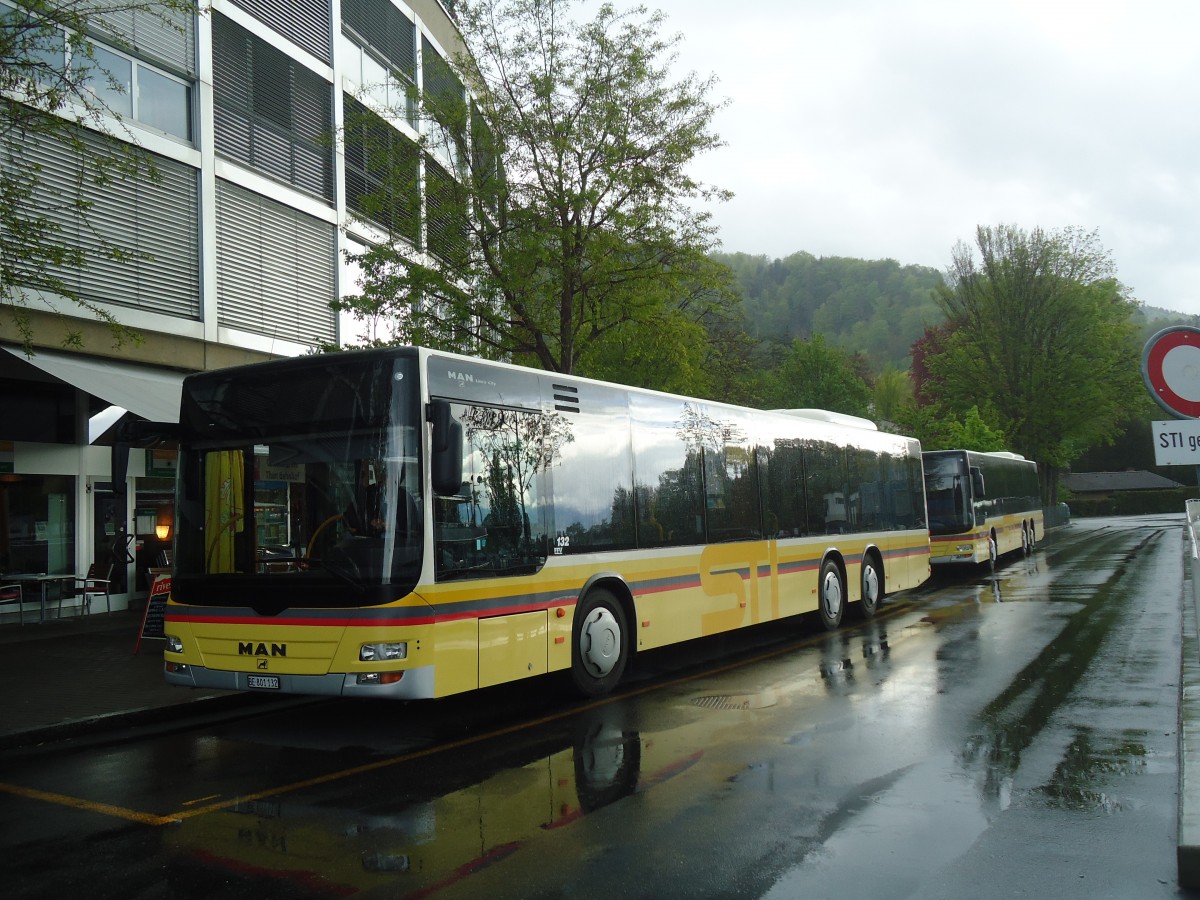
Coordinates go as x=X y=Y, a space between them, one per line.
x=995 y=734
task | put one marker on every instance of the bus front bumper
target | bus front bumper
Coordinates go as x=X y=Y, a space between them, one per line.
x=416 y=684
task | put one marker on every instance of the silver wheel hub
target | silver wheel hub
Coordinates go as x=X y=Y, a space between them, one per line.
x=870 y=584
x=831 y=594
x=600 y=642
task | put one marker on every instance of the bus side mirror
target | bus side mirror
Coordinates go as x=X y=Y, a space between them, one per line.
x=446 y=466
x=978 y=488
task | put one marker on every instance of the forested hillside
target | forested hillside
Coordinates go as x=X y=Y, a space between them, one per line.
x=1154 y=319
x=876 y=308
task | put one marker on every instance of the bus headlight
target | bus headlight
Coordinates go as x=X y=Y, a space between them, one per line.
x=174 y=644
x=383 y=652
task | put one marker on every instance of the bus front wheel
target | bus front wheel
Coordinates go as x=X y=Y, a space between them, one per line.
x=600 y=645
x=831 y=601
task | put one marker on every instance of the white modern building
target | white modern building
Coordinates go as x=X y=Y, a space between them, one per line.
x=238 y=245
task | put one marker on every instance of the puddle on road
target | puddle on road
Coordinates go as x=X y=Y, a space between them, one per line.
x=1090 y=760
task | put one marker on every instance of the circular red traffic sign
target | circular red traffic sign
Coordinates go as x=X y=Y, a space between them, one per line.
x=1171 y=369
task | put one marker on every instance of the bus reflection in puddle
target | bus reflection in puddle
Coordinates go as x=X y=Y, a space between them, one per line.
x=271 y=845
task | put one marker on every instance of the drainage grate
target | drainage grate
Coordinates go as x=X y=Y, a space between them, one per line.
x=742 y=701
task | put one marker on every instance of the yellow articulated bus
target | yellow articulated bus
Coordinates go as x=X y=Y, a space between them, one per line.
x=412 y=524
x=981 y=505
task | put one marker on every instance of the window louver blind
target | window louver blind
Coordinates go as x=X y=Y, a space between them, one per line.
x=167 y=36
x=306 y=23
x=269 y=111
x=275 y=268
x=439 y=82
x=445 y=214
x=140 y=236
x=382 y=173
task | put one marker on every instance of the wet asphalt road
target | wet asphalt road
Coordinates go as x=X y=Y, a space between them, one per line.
x=987 y=736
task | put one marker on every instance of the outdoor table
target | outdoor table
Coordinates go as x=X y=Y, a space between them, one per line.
x=42 y=580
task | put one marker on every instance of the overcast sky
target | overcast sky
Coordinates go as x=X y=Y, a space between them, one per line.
x=892 y=128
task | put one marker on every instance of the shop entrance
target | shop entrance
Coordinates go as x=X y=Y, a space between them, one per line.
x=106 y=544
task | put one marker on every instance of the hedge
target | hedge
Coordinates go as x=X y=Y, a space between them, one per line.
x=1133 y=503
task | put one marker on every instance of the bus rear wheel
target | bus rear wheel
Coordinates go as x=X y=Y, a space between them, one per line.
x=831 y=595
x=600 y=644
x=872 y=588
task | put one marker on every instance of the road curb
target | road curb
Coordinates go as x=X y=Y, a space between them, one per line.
x=223 y=707
x=1188 y=850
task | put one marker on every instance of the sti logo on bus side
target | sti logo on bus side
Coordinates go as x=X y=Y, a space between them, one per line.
x=249 y=648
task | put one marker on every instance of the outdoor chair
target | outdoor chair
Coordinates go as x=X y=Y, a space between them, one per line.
x=92 y=585
x=11 y=593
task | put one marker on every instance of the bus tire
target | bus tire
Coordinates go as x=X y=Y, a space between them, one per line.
x=831 y=595
x=600 y=644
x=872 y=587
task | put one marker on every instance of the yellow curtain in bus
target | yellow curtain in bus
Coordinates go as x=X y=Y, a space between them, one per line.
x=224 y=508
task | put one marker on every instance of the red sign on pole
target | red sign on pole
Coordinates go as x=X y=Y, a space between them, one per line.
x=1171 y=369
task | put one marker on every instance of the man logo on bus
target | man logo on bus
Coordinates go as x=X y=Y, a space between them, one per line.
x=462 y=377
x=249 y=648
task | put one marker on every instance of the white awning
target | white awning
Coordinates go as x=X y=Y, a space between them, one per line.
x=150 y=393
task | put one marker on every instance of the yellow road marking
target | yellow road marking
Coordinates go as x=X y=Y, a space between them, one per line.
x=201 y=799
x=105 y=809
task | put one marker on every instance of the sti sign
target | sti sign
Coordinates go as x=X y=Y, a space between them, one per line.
x=1177 y=442
x=1171 y=369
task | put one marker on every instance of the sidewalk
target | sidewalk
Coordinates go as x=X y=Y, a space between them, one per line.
x=78 y=674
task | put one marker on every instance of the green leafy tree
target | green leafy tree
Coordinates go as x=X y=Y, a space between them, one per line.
x=55 y=91
x=972 y=433
x=892 y=395
x=1043 y=337
x=813 y=374
x=572 y=234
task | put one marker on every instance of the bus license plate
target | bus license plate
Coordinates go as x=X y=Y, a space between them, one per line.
x=263 y=681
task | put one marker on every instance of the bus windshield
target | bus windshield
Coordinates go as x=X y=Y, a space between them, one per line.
x=948 y=494
x=300 y=485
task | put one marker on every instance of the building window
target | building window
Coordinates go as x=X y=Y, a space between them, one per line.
x=124 y=85
x=38 y=515
x=163 y=102
x=134 y=90
x=381 y=55
x=270 y=112
x=108 y=77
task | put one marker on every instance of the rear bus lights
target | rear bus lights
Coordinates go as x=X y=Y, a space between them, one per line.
x=383 y=652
